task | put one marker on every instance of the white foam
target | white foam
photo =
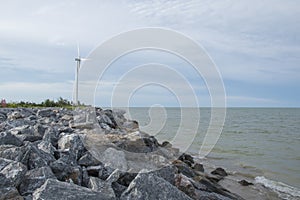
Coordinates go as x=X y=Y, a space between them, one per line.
x=283 y=190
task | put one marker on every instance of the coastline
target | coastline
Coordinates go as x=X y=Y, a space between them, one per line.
x=193 y=178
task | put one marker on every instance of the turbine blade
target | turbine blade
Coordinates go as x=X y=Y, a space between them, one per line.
x=78 y=50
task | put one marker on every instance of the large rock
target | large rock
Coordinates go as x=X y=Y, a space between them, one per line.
x=54 y=189
x=150 y=186
x=8 y=138
x=34 y=179
x=184 y=168
x=14 y=115
x=47 y=112
x=72 y=143
x=12 y=173
x=98 y=185
x=9 y=193
x=88 y=160
x=115 y=159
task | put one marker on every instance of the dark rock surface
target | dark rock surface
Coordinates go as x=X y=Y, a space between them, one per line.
x=45 y=154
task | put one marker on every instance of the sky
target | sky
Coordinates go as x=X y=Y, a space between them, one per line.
x=255 y=46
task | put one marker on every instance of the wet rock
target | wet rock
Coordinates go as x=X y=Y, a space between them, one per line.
x=98 y=185
x=149 y=186
x=184 y=168
x=166 y=144
x=245 y=183
x=186 y=158
x=54 y=189
x=34 y=179
x=7 y=138
x=198 y=167
x=219 y=171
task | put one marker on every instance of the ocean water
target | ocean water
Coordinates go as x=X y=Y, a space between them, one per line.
x=259 y=143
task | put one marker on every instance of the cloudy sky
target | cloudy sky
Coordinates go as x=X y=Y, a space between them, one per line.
x=254 y=44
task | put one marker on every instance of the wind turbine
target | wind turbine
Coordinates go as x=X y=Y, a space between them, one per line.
x=78 y=60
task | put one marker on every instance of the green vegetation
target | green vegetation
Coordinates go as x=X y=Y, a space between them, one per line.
x=47 y=103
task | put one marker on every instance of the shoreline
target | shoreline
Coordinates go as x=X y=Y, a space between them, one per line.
x=120 y=133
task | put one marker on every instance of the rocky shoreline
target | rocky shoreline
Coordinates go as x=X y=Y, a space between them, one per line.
x=52 y=153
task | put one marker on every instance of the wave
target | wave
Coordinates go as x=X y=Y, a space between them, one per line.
x=283 y=190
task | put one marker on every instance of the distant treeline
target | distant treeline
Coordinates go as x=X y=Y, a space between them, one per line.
x=47 y=103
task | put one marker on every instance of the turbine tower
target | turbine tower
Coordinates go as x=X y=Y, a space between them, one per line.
x=78 y=60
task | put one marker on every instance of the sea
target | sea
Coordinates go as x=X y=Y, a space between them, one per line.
x=262 y=144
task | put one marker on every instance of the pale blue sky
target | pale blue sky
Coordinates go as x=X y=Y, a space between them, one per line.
x=254 y=44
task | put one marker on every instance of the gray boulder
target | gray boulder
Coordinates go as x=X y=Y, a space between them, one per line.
x=115 y=159
x=8 y=138
x=9 y=193
x=47 y=112
x=34 y=179
x=98 y=185
x=54 y=189
x=150 y=186
x=12 y=173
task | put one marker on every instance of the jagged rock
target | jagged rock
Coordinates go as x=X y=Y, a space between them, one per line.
x=88 y=160
x=118 y=189
x=51 y=135
x=85 y=177
x=184 y=168
x=24 y=129
x=39 y=130
x=72 y=143
x=65 y=172
x=94 y=170
x=47 y=112
x=149 y=186
x=167 y=173
x=186 y=158
x=12 y=173
x=140 y=145
x=38 y=158
x=2 y=117
x=54 y=189
x=115 y=159
x=47 y=147
x=245 y=183
x=98 y=185
x=8 y=138
x=131 y=125
x=126 y=178
x=14 y=115
x=19 y=154
x=9 y=193
x=198 y=167
x=34 y=179
x=219 y=171
x=166 y=144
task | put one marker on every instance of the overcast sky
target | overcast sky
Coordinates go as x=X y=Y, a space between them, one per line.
x=255 y=45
